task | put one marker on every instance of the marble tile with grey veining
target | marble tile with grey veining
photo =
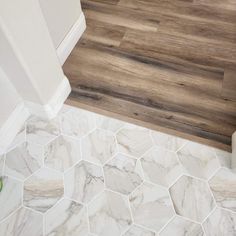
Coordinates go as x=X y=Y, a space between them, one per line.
x=19 y=138
x=24 y=160
x=99 y=146
x=43 y=189
x=108 y=123
x=62 y=153
x=220 y=223
x=151 y=206
x=109 y=214
x=199 y=160
x=134 y=140
x=67 y=218
x=179 y=226
x=22 y=223
x=223 y=187
x=161 y=166
x=192 y=198
x=138 y=231
x=77 y=122
x=10 y=196
x=42 y=131
x=167 y=141
x=224 y=158
x=122 y=174
x=84 y=181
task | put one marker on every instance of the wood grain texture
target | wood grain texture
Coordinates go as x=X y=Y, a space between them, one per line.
x=160 y=63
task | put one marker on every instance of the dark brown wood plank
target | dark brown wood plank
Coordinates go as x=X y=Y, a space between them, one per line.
x=197 y=51
x=185 y=9
x=121 y=16
x=229 y=85
x=104 y=33
x=163 y=64
x=107 y=73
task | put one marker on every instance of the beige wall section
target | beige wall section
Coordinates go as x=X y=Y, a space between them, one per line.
x=60 y=16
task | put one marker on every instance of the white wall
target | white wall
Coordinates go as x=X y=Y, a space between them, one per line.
x=60 y=16
x=11 y=102
x=29 y=64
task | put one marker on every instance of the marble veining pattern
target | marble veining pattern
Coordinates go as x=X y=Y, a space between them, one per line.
x=99 y=146
x=84 y=181
x=182 y=227
x=134 y=140
x=23 y=222
x=199 y=160
x=23 y=160
x=77 y=122
x=90 y=175
x=161 y=166
x=122 y=174
x=41 y=131
x=192 y=198
x=43 y=189
x=220 y=223
x=10 y=196
x=223 y=186
x=168 y=142
x=151 y=206
x=108 y=123
x=109 y=214
x=66 y=218
x=62 y=153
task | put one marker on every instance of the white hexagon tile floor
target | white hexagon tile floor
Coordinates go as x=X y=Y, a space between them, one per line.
x=83 y=174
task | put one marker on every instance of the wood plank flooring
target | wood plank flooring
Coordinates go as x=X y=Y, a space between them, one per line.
x=169 y=65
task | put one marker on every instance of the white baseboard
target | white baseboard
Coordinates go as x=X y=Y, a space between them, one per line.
x=69 y=42
x=51 y=109
x=12 y=126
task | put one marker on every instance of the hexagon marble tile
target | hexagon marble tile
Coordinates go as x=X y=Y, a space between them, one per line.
x=161 y=166
x=122 y=174
x=199 y=160
x=84 y=181
x=192 y=198
x=23 y=222
x=62 y=153
x=91 y=175
x=179 y=226
x=10 y=196
x=223 y=186
x=151 y=206
x=66 y=218
x=42 y=131
x=23 y=160
x=43 y=189
x=134 y=140
x=109 y=214
x=167 y=141
x=108 y=123
x=77 y=123
x=221 y=223
x=99 y=146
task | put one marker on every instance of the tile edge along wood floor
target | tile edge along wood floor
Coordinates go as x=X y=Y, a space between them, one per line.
x=168 y=65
